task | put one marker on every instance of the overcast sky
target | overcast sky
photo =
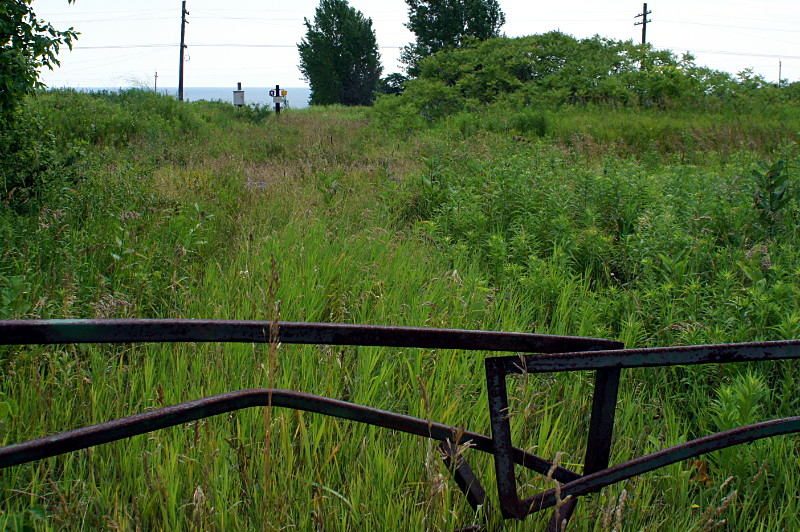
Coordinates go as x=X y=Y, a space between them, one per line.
x=254 y=41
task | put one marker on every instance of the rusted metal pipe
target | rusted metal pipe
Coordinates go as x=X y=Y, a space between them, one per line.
x=128 y=331
x=714 y=442
x=126 y=427
x=646 y=358
x=598 y=441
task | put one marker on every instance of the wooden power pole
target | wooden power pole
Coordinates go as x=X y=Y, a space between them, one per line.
x=644 y=22
x=183 y=48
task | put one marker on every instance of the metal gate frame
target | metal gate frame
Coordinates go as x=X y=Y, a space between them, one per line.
x=555 y=354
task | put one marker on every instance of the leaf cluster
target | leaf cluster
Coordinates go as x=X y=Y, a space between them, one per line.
x=770 y=197
x=28 y=157
x=448 y=24
x=26 y=45
x=553 y=69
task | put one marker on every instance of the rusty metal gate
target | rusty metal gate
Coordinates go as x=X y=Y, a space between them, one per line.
x=553 y=354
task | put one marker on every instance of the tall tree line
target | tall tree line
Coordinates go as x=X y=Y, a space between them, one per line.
x=339 y=54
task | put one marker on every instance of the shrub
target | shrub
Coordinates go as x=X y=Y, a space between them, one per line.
x=28 y=157
x=114 y=118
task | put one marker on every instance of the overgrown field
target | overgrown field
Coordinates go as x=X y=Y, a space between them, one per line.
x=651 y=226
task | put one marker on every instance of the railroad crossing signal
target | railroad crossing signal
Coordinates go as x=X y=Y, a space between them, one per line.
x=277 y=97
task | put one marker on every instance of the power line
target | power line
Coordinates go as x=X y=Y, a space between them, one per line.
x=78 y=47
x=73 y=12
x=111 y=46
x=246 y=45
x=746 y=54
x=203 y=45
x=730 y=26
x=94 y=64
x=78 y=22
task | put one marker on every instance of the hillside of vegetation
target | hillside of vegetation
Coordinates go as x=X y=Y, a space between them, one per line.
x=541 y=185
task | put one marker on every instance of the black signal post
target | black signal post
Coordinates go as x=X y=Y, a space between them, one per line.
x=276 y=97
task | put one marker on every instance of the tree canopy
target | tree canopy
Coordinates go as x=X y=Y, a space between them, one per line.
x=553 y=69
x=339 y=55
x=26 y=45
x=447 y=24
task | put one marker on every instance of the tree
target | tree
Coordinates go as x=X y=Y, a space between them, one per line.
x=339 y=55
x=26 y=45
x=392 y=84
x=448 y=24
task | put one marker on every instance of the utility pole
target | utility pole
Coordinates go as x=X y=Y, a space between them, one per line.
x=780 y=73
x=155 y=87
x=183 y=47
x=644 y=22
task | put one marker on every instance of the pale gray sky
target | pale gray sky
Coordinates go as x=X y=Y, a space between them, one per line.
x=254 y=42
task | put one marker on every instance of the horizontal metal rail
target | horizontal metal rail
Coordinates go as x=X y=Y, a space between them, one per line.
x=181 y=330
x=646 y=358
x=170 y=416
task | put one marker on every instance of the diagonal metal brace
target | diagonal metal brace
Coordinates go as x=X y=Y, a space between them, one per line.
x=467 y=482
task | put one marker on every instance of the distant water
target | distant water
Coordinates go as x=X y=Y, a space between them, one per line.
x=297 y=97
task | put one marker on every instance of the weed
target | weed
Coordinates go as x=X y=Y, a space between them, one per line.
x=407 y=223
x=771 y=195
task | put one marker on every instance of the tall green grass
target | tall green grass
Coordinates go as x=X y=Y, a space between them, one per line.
x=329 y=215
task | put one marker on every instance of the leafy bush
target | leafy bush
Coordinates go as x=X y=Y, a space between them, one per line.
x=29 y=159
x=529 y=122
x=553 y=69
x=219 y=112
x=772 y=193
x=42 y=141
x=115 y=118
x=26 y=45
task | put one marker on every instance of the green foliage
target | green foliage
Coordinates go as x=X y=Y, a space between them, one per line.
x=115 y=118
x=339 y=55
x=26 y=45
x=659 y=232
x=739 y=403
x=41 y=145
x=448 y=24
x=529 y=122
x=554 y=70
x=13 y=302
x=621 y=223
x=771 y=193
x=28 y=157
x=392 y=84
x=24 y=521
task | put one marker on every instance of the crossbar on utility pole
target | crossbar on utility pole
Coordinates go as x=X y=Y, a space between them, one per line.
x=183 y=48
x=644 y=22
